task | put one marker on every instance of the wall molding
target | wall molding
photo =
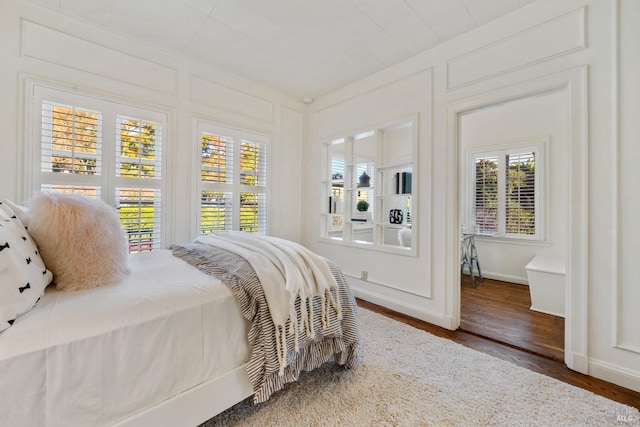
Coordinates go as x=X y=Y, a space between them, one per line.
x=349 y=93
x=505 y=278
x=519 y=50
x=43 y=43
x=225 y=98
x=398 y=301
x=615 y=374
x=617 y=298
x=372 y=283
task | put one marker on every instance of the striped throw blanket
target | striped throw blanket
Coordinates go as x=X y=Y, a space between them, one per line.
x=335 y=332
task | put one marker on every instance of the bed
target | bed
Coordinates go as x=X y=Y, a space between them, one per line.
x=168 y=345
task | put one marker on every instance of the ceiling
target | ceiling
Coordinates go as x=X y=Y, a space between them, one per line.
x=305 y=48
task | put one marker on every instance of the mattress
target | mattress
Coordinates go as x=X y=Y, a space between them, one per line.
x=97 y=356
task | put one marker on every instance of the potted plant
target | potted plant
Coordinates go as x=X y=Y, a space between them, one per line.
x=362 y=215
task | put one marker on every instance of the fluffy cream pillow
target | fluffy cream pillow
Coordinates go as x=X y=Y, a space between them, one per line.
x=80 y=240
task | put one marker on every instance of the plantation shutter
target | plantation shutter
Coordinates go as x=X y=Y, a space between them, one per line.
x=216 y=173
x=485 y=206
x=233 y=181
x=102 y=150
x=253 y=181
x=217 y=159
x=520 y=203
x=70 y=149
x=138 y=195
x=506 y=184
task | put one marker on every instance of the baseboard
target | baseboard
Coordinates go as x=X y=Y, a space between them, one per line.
x=576 y=362
x=398 y=301
x=505 y=278
x=615 y=374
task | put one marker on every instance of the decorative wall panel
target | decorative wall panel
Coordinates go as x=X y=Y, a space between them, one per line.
x=47 y=44
x=225 y=98
x=560 y=36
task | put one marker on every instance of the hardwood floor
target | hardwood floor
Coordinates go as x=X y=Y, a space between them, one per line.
x=527 y=359
x=500 y=311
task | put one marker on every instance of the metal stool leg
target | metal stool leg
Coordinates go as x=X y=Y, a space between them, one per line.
x=474 y=257
x=467 y=260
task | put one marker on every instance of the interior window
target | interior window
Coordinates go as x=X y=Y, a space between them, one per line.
x=370 y=188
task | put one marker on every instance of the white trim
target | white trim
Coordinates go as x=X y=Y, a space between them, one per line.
x=398 y=300
x=386 y=285
x=616 y=231
x=615 y=177
x=615 y=374
x=237 y=136
x=505 y=278
x=574 y=81
x=503 y=45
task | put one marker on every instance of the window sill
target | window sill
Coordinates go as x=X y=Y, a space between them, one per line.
x=391 y=249
x=512 y=241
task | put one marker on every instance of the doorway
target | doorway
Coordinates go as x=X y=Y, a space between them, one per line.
x=513 y=191
x=573 y=84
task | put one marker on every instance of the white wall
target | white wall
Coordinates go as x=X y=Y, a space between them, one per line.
x=38 y=45
x=544 y=116
x=567 y=48
x=383 y=104
x=615 y=209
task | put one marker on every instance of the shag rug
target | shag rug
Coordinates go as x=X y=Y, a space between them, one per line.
x=408 y=377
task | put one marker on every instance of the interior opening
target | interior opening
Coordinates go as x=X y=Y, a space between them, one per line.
x=512 y=215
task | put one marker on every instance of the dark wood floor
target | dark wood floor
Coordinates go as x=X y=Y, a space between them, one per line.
x=527 y=359
x=500 y=311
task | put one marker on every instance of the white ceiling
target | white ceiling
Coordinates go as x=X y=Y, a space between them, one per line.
x=300 y=47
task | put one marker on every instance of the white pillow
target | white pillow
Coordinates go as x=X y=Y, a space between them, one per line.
x=23 y=275
x=22 y=212
x=80 y=240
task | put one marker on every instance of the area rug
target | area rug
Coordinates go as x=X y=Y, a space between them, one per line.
x=408 y=377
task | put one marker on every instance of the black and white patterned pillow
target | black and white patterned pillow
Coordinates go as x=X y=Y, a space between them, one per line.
x=23 y=275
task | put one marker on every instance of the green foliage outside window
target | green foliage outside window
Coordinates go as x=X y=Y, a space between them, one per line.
x=520 y=194
x=520 y=209
x=215 y=207
x=137 y=149
x=74 y=137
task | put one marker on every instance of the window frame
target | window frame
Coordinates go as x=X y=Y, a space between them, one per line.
x=108 y=181
x=537 y=145
x=384 y=168
x=235 y=187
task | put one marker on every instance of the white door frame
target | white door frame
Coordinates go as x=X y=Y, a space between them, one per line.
x=574 y=83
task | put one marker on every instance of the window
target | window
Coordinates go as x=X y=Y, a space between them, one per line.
x=105 y=150
x=232 y=185
x=505 y=192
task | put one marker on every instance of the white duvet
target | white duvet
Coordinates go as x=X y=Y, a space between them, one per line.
x=94 y=357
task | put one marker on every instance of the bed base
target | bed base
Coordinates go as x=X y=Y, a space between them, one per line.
x=196 y=405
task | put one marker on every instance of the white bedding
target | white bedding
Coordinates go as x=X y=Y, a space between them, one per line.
x=98 y=356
